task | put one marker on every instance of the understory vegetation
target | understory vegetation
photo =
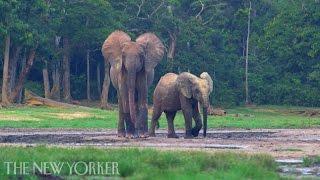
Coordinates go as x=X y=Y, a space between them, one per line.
x=240 y=117
x=149 y=163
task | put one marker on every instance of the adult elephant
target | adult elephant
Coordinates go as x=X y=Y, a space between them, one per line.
x=132 y=71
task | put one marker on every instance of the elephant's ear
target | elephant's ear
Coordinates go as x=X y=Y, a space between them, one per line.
x=184 y=83
x=112 y=48
x=208 y=78
x=154 y=50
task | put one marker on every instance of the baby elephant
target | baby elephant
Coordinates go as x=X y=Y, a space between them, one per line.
x=182 y=92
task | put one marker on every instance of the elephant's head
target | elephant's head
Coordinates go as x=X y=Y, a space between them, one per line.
x=192 y=86
x=132 y=57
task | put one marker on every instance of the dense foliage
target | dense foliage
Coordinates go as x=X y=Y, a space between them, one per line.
x=199 y=35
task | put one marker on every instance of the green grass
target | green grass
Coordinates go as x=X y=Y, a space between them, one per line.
x=45 y=117
x=149 y=163
x=256 y=117
x=311 y=161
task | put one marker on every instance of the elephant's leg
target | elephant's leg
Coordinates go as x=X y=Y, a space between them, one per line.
x=187 y=113
x=129 y=126
x=197 y=119
x=144 y=121
x=155 y=120
x=170 y=117
x=142 y=90
x=124 y=107
x=121 y=128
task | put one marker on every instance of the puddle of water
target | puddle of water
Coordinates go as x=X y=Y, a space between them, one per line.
x=289 y=161
x=294 y=167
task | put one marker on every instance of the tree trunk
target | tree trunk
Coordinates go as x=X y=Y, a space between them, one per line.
x=172 y=47
x=13 y=67
x=247 y=56
x=244 y=48
x=22 y=76
x=66 y=70
x=33 y=99
x=6 y=76
x=105 y=88
x=99 y=80
x=23 y=64
x=88 y=75
x=46 y=82
x=55 y=91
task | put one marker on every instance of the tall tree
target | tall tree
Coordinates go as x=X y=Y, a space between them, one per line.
x=46 y=82
x=99 y=80
x=66 y=70
x=5 y=76
x=247 y=54
x=20 y=24
x=88 y=75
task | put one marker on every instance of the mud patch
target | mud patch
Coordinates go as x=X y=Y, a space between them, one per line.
x=102 y=138
x=54 y=139
x=280 y=143
x=240 y=135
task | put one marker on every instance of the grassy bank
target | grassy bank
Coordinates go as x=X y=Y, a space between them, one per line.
x=148 y=163
x=240 y=117
x=311 y=161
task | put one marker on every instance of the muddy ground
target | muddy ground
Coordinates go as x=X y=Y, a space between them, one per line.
x=281 y=143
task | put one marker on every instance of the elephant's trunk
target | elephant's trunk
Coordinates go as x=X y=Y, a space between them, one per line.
x=205 y=101
x=132 y=106
x=205 y=106
x=205 y=119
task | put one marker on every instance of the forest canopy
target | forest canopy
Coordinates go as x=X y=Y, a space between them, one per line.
x=53 y=46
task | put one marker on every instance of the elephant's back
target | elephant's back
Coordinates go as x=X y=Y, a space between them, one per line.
x=166 y=93
x=168 y=80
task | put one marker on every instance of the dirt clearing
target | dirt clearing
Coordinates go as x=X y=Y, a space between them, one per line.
x=280 y=143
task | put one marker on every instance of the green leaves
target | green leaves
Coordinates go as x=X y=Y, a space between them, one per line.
x=208 y=35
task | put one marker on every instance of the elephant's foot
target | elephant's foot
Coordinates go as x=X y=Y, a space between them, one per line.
x=144 y=135
x=121 y=134
x=152 y=135
x=188 y=134
x=173 y=135
x=130 y=136
x=141 y=135
x=195 y=132
x=188 y=137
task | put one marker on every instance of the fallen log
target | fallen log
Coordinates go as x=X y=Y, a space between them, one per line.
x=34 y=100
x=216 y=112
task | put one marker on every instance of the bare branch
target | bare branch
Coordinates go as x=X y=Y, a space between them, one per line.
x=124 y=5
x=93 y=50
x=148 y=16
x=202 y=8
x=139 y=7
x=153 y=12
x=133 y=30
x=205 y=23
